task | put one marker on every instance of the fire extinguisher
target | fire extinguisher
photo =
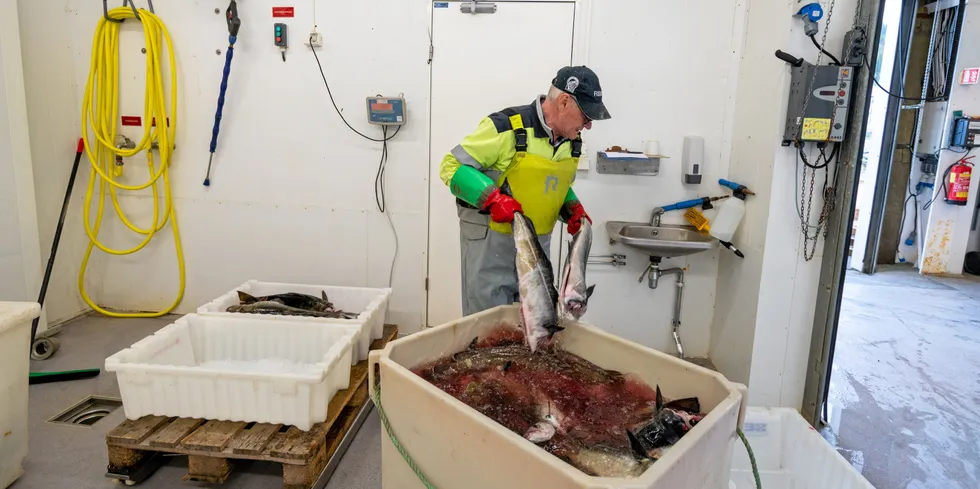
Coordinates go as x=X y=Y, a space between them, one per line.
x=958 y=182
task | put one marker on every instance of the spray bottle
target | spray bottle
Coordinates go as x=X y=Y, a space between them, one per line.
x=730 y=214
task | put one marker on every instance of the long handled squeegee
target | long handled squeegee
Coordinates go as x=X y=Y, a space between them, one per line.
x=233 y=24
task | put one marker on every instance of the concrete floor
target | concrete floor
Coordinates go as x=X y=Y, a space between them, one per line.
x=73 y=456
x=905 y=393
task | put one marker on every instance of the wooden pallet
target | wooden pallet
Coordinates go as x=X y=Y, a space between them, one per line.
x=136 y=447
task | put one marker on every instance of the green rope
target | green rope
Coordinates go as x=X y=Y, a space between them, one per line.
x=755 y=468
x=394 y=440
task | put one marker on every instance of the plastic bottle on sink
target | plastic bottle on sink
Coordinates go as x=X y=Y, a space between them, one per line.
x=730 y=214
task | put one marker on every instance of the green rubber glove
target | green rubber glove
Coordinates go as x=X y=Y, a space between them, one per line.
x=471 y=186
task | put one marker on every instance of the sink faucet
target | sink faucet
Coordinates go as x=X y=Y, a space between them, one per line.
x=655 y=217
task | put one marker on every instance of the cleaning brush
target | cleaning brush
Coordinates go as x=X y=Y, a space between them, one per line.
x=697 y=219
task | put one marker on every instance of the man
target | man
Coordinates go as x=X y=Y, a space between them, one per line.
x=536 y=149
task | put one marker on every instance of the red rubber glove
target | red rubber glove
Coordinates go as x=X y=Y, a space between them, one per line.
x=575 y=222
x=501 y=207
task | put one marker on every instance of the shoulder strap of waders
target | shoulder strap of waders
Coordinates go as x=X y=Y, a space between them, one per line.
x=517 y=124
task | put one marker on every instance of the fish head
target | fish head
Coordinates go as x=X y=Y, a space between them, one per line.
x=541 y=336
x=541 y=432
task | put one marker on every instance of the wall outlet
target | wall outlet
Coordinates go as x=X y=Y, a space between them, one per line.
x=315 y=40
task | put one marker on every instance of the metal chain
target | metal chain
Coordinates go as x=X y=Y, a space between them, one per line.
x=813 y=77
x=810 y=251
x=807 y=238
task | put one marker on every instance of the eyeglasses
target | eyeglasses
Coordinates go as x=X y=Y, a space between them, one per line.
x=586 y=116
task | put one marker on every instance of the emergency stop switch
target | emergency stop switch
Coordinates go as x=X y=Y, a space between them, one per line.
x=281 y=38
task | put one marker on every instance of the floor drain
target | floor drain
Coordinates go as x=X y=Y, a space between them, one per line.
x=88 y=411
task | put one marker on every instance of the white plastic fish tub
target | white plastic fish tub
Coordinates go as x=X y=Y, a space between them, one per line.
x=371 y=305
x=455 y=446
x=15 y=345
x=235 y=369
x=790 y=455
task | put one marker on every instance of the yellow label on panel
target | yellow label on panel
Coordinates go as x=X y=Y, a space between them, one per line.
x=962 y=194
x=815 y=129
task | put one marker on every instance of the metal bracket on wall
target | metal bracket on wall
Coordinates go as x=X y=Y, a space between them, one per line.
x=475 y=7
x=642 y=165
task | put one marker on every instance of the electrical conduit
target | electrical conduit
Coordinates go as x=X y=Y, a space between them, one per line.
x=100 y=108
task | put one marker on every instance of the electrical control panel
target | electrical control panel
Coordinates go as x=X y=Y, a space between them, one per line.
x=965 y=132
x=825 y=92
x=281 y=35
x=933 y=127
x=386 y=111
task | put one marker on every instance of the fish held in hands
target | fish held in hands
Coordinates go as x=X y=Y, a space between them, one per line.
x=573 y=298
x=539 y=297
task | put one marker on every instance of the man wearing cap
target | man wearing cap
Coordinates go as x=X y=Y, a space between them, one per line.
x=535 y=147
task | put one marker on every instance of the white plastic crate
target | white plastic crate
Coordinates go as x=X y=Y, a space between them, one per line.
x=371 y=305
x=235 y=369
x=452 y=443
x=790 y=455
x=15 y=345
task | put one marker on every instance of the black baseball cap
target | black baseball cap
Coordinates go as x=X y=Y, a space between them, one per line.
x=583 y=84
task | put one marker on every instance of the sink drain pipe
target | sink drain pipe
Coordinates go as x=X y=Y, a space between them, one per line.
x=654 y=280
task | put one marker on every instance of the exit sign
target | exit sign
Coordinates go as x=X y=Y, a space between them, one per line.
x=970 y=76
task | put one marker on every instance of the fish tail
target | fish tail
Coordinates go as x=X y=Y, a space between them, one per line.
x=245 y=298
x=505 y=188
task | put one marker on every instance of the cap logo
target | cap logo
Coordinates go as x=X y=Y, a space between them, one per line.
x=597 y=94
x=571 y=84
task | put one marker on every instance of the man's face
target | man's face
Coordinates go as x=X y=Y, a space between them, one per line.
x=570 y=120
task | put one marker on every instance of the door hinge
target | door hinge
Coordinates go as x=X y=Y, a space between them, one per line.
x=426 y=284
x=474 y=7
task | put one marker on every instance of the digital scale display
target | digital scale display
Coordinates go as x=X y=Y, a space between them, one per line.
x=386 y=111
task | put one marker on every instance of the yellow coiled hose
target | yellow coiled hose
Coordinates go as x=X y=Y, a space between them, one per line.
x=100 y=113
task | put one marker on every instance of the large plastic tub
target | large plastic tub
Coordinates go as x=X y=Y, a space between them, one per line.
x=790 y=455
x=235 y=369
x=455 y=446
x=15 y=346
x=371 y=305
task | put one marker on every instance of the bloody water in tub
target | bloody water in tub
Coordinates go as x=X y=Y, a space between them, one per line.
x=502 y=379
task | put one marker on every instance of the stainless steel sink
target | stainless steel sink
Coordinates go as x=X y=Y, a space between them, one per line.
x=664 y=241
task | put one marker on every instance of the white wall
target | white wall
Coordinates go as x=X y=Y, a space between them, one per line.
x=662 y=79
x=948 y=237
x=20 y=259
x=288 y=171
x=764 y=315
x=54 y=108
x=292 y=189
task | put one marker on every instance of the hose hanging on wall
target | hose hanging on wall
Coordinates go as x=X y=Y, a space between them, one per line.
x=100 y=108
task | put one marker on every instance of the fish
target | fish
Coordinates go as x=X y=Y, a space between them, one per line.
x=690 y=404
x=293 y=299
x=541 y=432
x=275 y=307
x=573 y=298
x=539 y=297
x=665 y=429
x=551 y=421
x=608 y=462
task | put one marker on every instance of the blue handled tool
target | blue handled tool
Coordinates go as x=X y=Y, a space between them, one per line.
x=702 y=201
x=738 y=189
x=234 y=23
